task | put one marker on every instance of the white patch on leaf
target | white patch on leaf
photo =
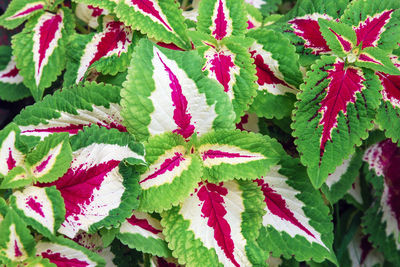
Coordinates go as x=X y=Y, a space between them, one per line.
x=226 y=14
x=9 y=74
x=389 y=217
x=45 y=165
x=373 y=156
x=340 y=170
x=128 y=228
x=256 y=3
x=8 y=148
x=25 y=11
x=14 y=248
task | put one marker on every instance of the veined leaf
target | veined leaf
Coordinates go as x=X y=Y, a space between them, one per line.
x=216 y=225
x=235 y=154
x=278 y=73
x=382 y=220
x=231 y=66
x=172 y=175
x=222 y=18
x=144 y=233
x=65 y=252
x=40 y=49
x=296 y=220
x=176 y=96
x=16 y=242
x=340 y=37
x=71 y=109
x=42 y=208
x=376 y=23
x=20 y=10
x=336 y=108
x=107 y=51
x=98 y=190
x=11 y=86
x=11 y=152
x=161 y=20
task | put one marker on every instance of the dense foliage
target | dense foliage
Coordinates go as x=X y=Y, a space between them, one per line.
x=200 y=133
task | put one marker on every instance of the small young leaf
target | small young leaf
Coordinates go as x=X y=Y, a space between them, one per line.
x=11 y=155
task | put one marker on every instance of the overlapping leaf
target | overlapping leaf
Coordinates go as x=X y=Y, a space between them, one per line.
x=165 y=91
x=98 y=190
x=278 y=74
x=20 y=10
x=254 y=17
x=12 y=152
x=105 y=4
x=336 y=108
x=72 y=109
x=296 y=220
x=216 y=225
x=11 y=86
x=144 y=233
x=94 y=243
x=40 y=49
x=161 y=20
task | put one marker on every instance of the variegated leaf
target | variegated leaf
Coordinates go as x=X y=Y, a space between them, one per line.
x=172 y=175
x=296 y=220
x=336 y=108
x=376 y=23
x=50 y=159
x=40 y=49
x=65 y=252
x=20 y=10
x=234 y=154
x=90 y=14
x=72 y=109
x=222 y=18
x=249 y=123
x=12 y=153
x=144 y=233
x=42 y=208
x=161 y=20
x=389 y=111
x=17 y=177
x=216 y=225
x=97 y=190
x=103 y=4
x=340 y=38
x=230 y=64
x=382 y=220
x=11 y=86
x=254 y=17
x=177 y=97
x=16 y=242
x=278 y=74
x=107 y=51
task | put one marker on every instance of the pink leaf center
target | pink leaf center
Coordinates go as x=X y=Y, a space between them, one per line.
x=12 y=73
x=143 y=223
x=212 y=154
x=35 y=206
x=27 y=11
x=220 y=22
x=96 y=10
x=11 y=162
x=213 y=208
x=62 y=261
x=222 y=66
x=17 y=251
x=43 y=164
x=347 y=46
x=148 y=8
x=391 y=88
x=167 y=165
x=277 y=206
x=75 y=128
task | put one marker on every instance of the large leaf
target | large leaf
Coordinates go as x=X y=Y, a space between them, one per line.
x=172 y=175
x=161 y=20
x=296 y=220
x=11 y=86
x=278 y=74
x=98 y=190
x=40 y=49
x=222 y=18
x=333 y=115
x=71 y=109
x=166 y=91
x=216 y=225
x=20 y=10
x=42 y=208
x=234 y=154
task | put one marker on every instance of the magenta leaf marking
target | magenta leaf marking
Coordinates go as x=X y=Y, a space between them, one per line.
x=181 y=115
x=75 y=128
x=35 y=206
x=309 y=30
x=17 y=251
x=147 y=6
x=27 y=11
x=47 y=33
x=368 y=32
x=212 y=154
x=221 y=65
x=264 y=73
x=243 y=120
x=220 y=22
x=346 y=45
x=277 y=206
x=12 y=73
x=342 y=89
x=78 y=184
x=161 y=262
x=250 y=25
x=171 y=46
x=96 y=11
x=43 y=164
x=167 y=165
x=11 y=162
x=391 y=87
x=144 y=224
x=366 y=248
x=61 y=261
x=213 y=208
x=366 y=58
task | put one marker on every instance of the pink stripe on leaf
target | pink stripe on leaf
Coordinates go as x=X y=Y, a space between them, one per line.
x=17 y=250
x=144 y=224
x=220 y=22
x=11 y=162
x=212 y=154
x=42 y=165
x=62 y=261
x=11 y=74
x=222 y=65
x=147 y=7
x=35 y=206
x=167 y=165
x=75 y=128
x=366 y=58
x=26 y=11
x=391 y=88
x=346 y=45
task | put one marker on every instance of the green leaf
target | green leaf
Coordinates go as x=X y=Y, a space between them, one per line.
x=12 y=150
x=20 y=10
x=17 y=177
x=172 y=175
x=161 y=20
x=105 y=4
x=376 y=59
x=234 y=154
x=340 y=37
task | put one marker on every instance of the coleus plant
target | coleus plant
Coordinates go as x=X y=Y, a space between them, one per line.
x=199 y=133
